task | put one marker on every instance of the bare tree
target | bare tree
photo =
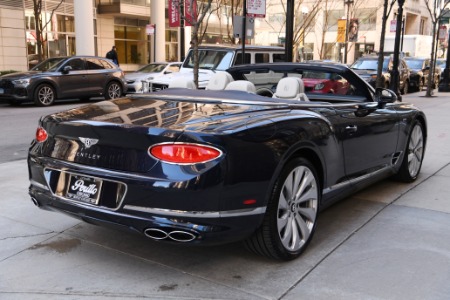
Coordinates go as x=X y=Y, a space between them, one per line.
x=198 y=10
x=328 y=7
x=234 y=8
x=303 y=25
x=41 y=26
x=387 y=8
x=435 y=9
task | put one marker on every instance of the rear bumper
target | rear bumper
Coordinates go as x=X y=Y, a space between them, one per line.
x=151 y=208
x=210 y=229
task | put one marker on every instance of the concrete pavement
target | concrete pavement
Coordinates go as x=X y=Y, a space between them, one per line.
x=390 y=241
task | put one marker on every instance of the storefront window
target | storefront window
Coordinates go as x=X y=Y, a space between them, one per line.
x=131 y=41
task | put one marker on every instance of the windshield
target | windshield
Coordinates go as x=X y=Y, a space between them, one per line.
x=441 y=63
x=369 y=64
x=51 y=64
x=152 y=68
x=210 y=59
x=414 y=64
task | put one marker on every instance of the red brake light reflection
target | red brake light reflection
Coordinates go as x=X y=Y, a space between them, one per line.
x=41 y=135
x=184 y=153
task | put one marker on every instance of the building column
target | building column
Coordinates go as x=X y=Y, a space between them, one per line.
x=84 y=27
x=157 y=16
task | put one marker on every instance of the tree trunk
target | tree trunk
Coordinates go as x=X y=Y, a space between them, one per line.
x=380 y=82
x=429 y=92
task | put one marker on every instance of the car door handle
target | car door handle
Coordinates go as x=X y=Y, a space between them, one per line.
x=351 y=128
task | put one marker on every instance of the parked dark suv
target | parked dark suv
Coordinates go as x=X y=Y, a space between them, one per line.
x=64 y=77
x=366 y=67
x=420 y=69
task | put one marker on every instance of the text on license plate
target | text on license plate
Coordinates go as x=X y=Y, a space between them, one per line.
x=84 y=189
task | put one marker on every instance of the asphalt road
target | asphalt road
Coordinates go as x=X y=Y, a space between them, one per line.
x=18 y=126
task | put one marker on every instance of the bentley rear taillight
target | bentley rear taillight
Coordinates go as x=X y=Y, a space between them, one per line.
x=41 y=135
x=184 y=153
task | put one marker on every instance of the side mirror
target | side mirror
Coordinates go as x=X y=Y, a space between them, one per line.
x=66 y=69
x=385 y=95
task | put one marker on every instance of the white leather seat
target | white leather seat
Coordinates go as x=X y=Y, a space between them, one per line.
x=291 y=88
x=241 y=85
x=183 y=83
x=219 y=81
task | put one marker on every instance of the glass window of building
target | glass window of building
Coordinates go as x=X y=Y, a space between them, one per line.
x=131 y=41
x=367 y=18
x=330 y=19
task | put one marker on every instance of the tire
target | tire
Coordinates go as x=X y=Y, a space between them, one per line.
x=113 y=90
x=436 y=83
x=291 y=216
x=413 y=156
x=405 y=89
x=421 y=85
x=44 y=95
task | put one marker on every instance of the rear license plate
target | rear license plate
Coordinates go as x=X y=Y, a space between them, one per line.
x=84 y=189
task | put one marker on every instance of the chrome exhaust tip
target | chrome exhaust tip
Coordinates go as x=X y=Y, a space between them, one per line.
x=156 y=234
x=181 y=236
x=35 y=202
x=175 y=235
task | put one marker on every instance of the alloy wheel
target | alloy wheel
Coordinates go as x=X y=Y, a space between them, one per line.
x=297 y=208
x=114 y=91
x=415 y=151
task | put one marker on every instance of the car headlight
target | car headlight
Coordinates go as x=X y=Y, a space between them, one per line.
x=319 y=86
x=21 y=82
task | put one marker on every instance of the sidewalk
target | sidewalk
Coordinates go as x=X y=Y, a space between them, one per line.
x=390 y=241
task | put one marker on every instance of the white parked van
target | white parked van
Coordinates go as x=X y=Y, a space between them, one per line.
x=213 y=59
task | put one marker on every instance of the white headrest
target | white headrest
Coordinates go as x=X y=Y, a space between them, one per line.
x=183 y=83
x=219 y=81
x=242 y=85
x=291 y=88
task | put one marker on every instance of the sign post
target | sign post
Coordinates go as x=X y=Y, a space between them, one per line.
x=150 y=29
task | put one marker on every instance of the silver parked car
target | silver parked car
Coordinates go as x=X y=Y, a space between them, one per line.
x=149 y=72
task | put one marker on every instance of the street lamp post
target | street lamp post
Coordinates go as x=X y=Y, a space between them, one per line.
x=348 y=3
x=288 y=43
x=395 y=80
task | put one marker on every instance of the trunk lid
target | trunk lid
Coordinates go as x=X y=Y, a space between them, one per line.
x=117 y=134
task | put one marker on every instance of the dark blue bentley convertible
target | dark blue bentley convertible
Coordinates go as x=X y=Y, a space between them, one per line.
x=254 y=157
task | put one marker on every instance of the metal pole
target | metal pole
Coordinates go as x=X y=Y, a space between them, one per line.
x=403 y=34
x=395 y=80
x=182 y=39
x=244 y=23
x=348 y=2
x=288 y=43
x=154 y=45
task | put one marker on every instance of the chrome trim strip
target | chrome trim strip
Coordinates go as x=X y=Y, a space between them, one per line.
x=39 y=185
x=355 y=180
x=199 y=214
x=64 y=166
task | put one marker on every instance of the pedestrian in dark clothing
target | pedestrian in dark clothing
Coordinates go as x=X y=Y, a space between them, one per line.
x=112 y=55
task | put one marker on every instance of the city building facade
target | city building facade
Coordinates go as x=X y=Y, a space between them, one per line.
x=140 y=29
